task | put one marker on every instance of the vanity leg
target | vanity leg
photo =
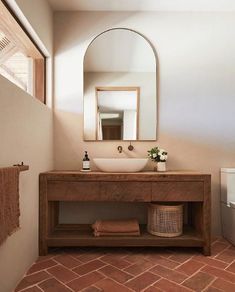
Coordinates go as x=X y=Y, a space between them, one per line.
x=43 y=249
x=207 y=217
x=207 y=249
x=53 y=216
x=200 y=215
x=43 y=216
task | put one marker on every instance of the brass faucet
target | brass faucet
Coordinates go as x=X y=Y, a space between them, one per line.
x=119 y=149
x=130 y=147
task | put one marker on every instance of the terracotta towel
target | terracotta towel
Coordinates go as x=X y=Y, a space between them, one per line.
x=116 y=226
x=96 y=233
x=9 y=201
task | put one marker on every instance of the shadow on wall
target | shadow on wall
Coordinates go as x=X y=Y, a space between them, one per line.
x=89 y=28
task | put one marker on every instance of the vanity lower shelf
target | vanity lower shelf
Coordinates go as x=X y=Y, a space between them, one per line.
x=81 y=235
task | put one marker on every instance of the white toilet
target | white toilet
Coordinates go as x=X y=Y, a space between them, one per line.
x=228 y=203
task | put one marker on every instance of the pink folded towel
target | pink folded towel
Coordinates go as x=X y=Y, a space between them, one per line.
x=116 y=227
x=96 y=233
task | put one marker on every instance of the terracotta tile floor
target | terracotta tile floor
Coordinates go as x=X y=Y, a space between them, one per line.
x=133 y=269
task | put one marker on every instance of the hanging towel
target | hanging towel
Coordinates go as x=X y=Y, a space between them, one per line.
x=9 y=201
x=116 y=227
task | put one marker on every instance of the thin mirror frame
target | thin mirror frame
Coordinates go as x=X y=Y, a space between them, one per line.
x=157 y=84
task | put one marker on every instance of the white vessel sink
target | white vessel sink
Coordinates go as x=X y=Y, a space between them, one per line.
x=120 y=164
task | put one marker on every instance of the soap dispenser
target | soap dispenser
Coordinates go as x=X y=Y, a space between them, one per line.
x=86 y=162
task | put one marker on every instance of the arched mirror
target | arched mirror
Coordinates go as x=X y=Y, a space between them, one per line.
x=120 y=88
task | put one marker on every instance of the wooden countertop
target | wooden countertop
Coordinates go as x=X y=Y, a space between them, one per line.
x=124 y=176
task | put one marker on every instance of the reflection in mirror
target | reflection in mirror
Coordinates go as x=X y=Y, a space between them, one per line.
x=120 y=86
x=117 y=113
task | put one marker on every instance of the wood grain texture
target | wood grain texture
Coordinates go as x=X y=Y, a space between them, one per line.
x=53 y=212
x=39 y=79
x=81 y=235
x=178 y=191
x=207 y=217
x=191 y=188
x=136 y=176
x=73 y=191
x=125 y=191
x=43 y=215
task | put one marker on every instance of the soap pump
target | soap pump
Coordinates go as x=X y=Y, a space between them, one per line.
x=86 y=162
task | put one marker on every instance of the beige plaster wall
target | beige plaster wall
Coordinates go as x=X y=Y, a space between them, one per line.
x=196 y=102
x=40 y=16
x=26 y=128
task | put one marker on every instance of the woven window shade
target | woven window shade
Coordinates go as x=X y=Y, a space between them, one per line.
x=4 y=42
x=7 y=48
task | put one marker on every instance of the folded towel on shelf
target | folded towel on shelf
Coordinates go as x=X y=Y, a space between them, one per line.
x=9 y=201
x=116 y=227
x=97 y=233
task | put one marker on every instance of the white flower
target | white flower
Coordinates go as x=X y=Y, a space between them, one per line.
x=157 y=154
x=162 y=157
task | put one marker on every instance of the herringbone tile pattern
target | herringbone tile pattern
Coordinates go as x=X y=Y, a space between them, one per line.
x=133 y=269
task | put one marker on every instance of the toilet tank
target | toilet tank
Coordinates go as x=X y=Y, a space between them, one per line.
x=227 y=185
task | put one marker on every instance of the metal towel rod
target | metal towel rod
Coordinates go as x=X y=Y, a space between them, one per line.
x=22 y=167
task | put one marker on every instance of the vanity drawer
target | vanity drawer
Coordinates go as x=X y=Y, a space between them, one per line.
x=125 y=191
x=73 y=191
x=178 y=191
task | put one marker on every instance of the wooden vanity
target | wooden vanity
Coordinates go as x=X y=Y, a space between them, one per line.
x=194 y=189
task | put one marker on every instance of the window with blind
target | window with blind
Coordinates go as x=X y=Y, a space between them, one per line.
x=21 y=61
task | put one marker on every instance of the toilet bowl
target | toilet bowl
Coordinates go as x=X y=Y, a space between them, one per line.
x=228 y=203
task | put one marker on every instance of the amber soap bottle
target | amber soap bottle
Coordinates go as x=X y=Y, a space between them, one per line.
x=86 y=162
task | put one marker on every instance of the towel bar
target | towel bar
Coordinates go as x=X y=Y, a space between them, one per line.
x=22 y=167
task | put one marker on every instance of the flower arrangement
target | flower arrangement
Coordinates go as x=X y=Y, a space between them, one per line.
x=157 y=154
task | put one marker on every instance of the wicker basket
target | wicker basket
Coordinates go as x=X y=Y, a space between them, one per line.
x=165 y=220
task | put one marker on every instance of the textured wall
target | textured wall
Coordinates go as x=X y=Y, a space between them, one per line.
x=196 y=102
x=26 y=128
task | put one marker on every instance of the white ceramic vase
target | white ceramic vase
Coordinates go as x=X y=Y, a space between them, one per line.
x=161 y=166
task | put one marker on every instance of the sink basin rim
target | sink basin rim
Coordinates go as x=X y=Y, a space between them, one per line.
x=120 y=164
